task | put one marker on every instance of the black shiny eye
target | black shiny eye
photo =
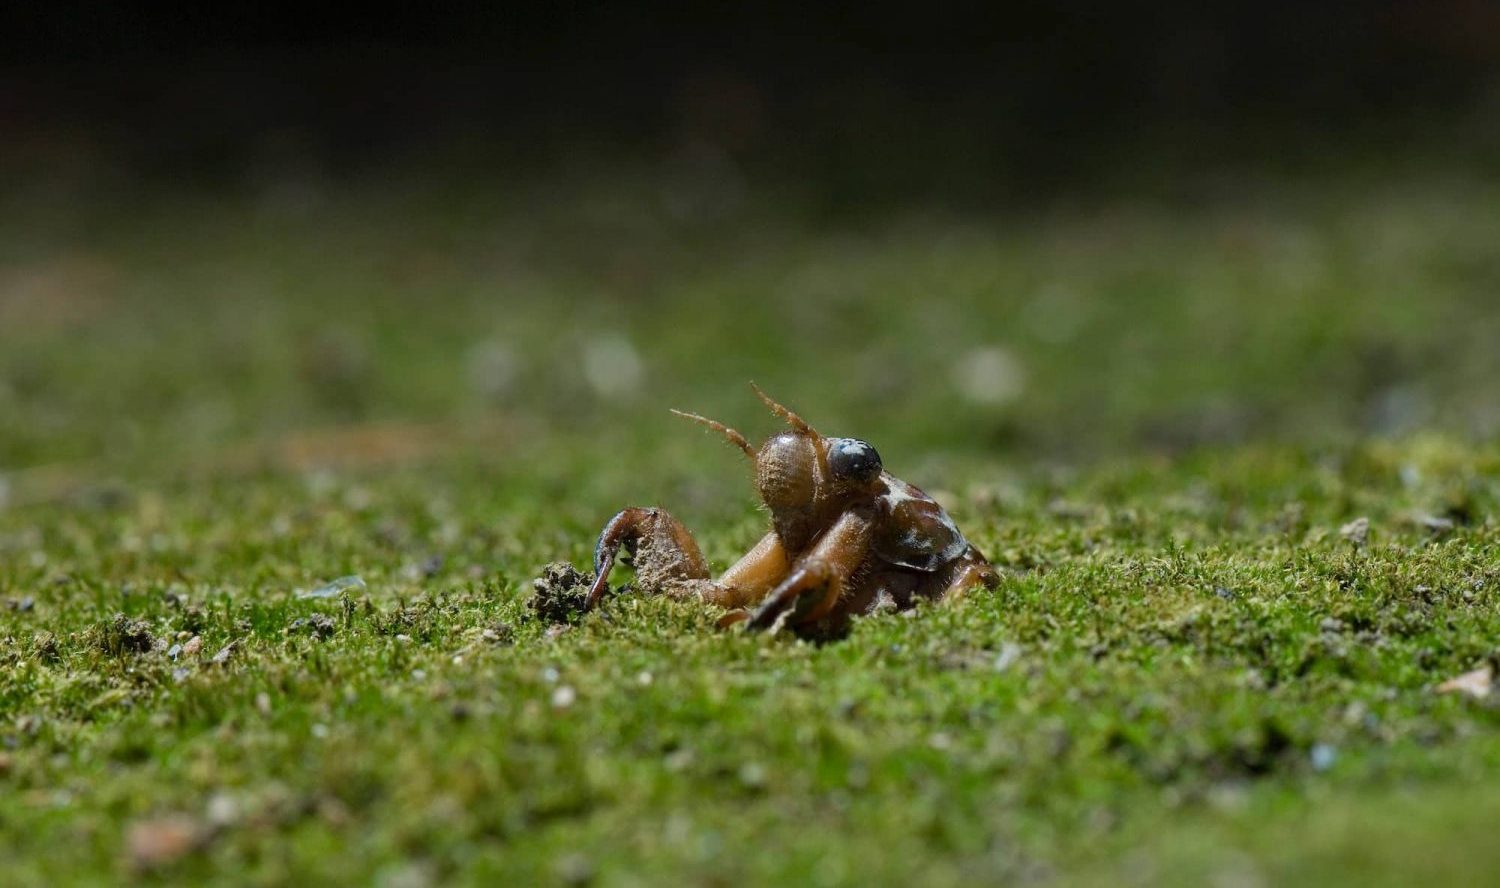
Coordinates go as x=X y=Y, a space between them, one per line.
x=851 y=459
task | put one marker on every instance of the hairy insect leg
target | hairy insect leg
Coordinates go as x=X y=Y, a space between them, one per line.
x=813 y=589
x=751 y=578
x=809 y=593
x=971 y=572
x=667 y=558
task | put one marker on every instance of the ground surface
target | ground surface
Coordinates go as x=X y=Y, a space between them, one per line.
x=1162 y=417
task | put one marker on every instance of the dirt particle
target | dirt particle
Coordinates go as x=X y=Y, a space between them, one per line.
x=334 y=812
x=223 y=810
x=417 y=874
x=499 y=634
x=325 y=625
x=575 y=869
x=560 y=593
x=44 y=646
x=1436 y=525
x=1009 y=655
x=123 y=635
x=753 y=775
x=222 y=656
x=319 y=626
x=161 y=841
x=1476 y=684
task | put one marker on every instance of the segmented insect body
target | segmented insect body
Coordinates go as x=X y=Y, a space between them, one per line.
x=846 y=538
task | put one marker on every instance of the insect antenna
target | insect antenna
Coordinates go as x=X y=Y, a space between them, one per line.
x=734 y=437
x=791 y=418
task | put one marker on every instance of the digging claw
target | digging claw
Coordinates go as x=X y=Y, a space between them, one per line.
x=665 y=556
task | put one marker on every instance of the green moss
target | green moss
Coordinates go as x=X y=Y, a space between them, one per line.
x=1189 y=672
x=1187 y=664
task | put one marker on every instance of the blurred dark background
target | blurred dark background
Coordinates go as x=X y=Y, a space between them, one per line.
x=1049 y=229
x=958 y=102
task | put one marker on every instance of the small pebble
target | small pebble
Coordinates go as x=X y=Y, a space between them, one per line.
x=223 y=810
x=753 y=774
x=575 y=869
x=334 y=587
x=1010 y=654
x=1436 y=524
x=563 y=697
x=154 y=843
x=1476 y=684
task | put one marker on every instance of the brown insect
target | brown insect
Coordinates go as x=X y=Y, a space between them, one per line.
x=846 y=538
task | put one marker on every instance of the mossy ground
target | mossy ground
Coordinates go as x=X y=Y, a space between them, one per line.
x=1189 y=673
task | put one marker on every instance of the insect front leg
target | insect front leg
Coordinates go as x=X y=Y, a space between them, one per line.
x=667 y=558
x=750 y=579
x=816 y=583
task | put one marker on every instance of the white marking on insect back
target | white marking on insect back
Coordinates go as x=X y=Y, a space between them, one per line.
x=915 y=548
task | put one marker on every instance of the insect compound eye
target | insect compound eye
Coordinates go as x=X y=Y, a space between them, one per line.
x=851 y=459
